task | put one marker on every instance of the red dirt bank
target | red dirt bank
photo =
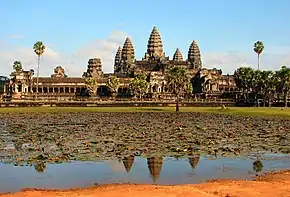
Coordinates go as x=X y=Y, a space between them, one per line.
x=270 y=185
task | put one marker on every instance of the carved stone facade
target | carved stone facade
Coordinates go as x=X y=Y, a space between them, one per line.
x=155 y=64
x=58 y=72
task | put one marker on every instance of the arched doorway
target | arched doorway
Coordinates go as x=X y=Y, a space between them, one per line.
x=103 y=91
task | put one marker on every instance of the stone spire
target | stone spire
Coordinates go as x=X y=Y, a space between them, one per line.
x=194 y=56
x=94 y=68
x=118 y=58
x=154 y=46
x=177 y=55
x=128 y=54
x=118 y=55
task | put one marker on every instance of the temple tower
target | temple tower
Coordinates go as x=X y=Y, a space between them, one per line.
x=194 y=57
x=94 y=68
x=177 y=55
x=118 y=58
x=58 y=72
x=128 y=54
x=154 y=46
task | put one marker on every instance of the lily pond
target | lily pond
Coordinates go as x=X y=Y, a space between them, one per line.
x=69 y=150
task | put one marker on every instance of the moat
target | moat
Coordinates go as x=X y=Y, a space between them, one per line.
x=80 y=174
x=65 y=150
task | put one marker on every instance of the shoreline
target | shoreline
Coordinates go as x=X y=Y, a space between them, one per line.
x=270 y=184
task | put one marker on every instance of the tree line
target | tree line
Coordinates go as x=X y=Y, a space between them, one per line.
x=264 y=84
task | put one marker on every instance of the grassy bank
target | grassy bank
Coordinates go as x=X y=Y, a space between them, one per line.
x=232 y=110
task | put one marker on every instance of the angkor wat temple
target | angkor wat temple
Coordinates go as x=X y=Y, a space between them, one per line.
x=155 y=64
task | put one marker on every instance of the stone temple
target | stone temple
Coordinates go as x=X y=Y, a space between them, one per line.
x=155 y=64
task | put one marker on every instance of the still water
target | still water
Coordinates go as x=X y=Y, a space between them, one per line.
x=132 y=169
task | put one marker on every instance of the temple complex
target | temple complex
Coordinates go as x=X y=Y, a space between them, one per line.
x=155 y=65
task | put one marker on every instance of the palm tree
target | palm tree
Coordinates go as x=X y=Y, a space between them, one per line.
x=39 y=49
x=243 y=78
x=258 y=48
x=178 y=82
x=17 y=66
x=284 y=79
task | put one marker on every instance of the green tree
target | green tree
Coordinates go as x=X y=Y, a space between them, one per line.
x=178 y=81
x=139 y=85
x=258 y=48
x=39 y=49
x=255 y=84
x=243 y=78
x=267 y=83
x=17 y=66
x=113 y=85
x=284 y=80
x=91 y=85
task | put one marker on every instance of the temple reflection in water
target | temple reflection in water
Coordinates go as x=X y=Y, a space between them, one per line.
x=128 y=162
x=193 y=161
x=155 y=167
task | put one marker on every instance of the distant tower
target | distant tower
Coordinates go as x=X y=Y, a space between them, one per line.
x=94 y=68
x=118 y=59
x=154 y=46
x=128 y=54
x=177 y=55
x=194 y=57
x=126 y=63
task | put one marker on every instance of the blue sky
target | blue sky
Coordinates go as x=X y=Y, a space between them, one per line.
x=219 y=26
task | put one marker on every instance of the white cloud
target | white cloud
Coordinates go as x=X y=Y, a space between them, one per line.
x=16 y=36
x=74 y=64
x=273 y=58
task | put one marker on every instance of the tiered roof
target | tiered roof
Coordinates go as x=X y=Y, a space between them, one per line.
x=194 y=55
x=177 y=55
x=128 y=53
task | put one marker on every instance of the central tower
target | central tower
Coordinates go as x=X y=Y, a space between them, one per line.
x=154 y=46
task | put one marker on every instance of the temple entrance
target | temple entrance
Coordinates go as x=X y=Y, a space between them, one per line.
x=103 y=91
x=123 y=92
x=19 y=87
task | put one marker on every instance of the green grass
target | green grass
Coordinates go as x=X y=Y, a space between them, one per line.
x=285 y=112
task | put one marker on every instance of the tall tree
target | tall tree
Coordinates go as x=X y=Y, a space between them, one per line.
x=139 y=85
x=39 y=49
x=258 y=48
x=243 y=78
x=178 y=81
x=284 y=79
x=113 y=85
x=267 y=83
x=17 y=66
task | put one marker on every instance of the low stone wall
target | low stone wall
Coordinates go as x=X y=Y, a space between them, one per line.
x=111 y=104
